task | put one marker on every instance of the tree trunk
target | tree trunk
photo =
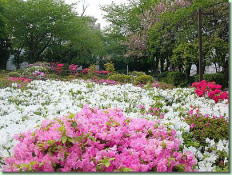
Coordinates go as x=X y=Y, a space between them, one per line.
x=188 y=70
x=167 y=65
x=156 y=65
x=226 y=73
x=161 y=65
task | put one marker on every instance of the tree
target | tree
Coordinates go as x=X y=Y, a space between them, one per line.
x=50 y=30
x=4 y=43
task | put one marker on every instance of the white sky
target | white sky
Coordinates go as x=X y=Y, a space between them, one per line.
x=94 y=8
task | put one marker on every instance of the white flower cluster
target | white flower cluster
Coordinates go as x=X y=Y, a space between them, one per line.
x=23 y=109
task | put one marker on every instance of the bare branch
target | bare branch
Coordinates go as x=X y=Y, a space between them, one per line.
x=84 y=7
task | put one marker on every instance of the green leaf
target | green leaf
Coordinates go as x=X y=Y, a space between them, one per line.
x=64 y=139
x=125 y=170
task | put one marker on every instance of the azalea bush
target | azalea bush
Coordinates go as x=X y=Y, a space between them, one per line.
x=85 y=71
x=24 y=109
x=31 y=69
x=39 y=75
x=211 y=90
x=57 y=67
x=73 y=68
x=99 y=141
x=203 y=126
x=105 y=81
x=19 y=82
x=20 y=79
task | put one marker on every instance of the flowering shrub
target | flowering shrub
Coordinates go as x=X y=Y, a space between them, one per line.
x=103 y=72
x=204 y=126
x=19 y=82
x=40 y=64
x=73 y=68
x=210 y=89
x=38 y=74
x=85 y=71
x=58 y=68
x=152 y=110
x=99 y=141
x=20 y=79
x=155 y=84
x=103 y=81
x=31 y=69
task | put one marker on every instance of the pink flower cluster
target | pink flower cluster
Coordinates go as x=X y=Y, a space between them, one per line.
x=73 y=68
x=39 y=74
x=211 y=90
x=58 y=68
x=103 y=72
x=85 y=71
x=20 y=79
x=99 y=141
x=151 y=111
x=155 y=85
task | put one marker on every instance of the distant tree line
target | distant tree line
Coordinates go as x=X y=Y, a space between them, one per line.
x=161 y=35
x=47 y=30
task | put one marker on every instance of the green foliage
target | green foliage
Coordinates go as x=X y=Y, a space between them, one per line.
x=143 y=79
x=217 y=77
x=14 y=74
x=4 y=83
x=121 y=78
x=136 y=73
x=30 y=70
x=163 y=85
x=162 y=76
x=109 y=67
x=52 y=76
x=175 y=78
x=92 y=69
x=206 y=127
x=51 y=30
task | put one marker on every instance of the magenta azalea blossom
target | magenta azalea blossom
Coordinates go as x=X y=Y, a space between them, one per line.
x=99 y=141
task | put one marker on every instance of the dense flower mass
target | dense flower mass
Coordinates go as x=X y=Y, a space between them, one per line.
x=104 y=81
x=99 y=140
x=103 y=72
x=20 y=79
x=39 y=74
x=210 y=89
x=25 y=108
x=73 y=68
x=57 y=67
x=85 y=71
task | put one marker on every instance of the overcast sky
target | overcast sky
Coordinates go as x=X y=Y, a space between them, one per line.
x=94 y=8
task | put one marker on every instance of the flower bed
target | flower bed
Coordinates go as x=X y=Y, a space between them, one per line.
x=23 y=109
x=210 y=90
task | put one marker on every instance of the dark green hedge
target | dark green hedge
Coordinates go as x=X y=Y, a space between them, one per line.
x=217 y=77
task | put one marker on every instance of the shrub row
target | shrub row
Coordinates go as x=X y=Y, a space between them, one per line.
x=179 y=79
x=138 y=78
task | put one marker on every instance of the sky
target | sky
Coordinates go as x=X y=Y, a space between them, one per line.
x=94 y=8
